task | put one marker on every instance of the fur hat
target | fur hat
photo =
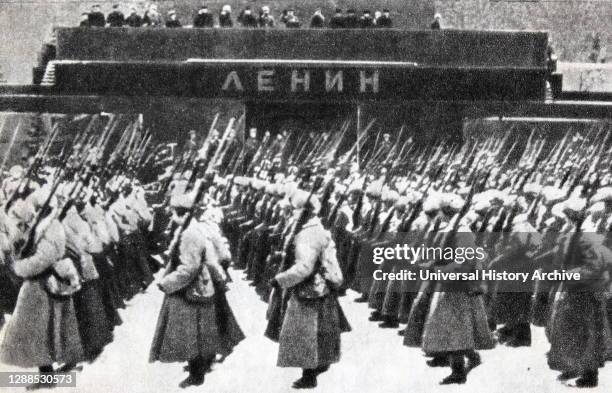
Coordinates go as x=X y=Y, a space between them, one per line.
x=184 y=201
x=552 y=194
x=300 y=197
x=603 y=194
x=22 y=211
x=452 y=201
x=16 y=172
x=432 y=203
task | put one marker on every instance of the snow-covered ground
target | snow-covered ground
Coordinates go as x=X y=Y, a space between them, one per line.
x=373 y=359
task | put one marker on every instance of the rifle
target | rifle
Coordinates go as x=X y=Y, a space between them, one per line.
x=202 y=187
x=32 y=170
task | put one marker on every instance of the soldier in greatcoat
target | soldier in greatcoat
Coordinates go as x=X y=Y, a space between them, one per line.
x=578 y=330
x=313 y=321
x=43 y=329
x=195 y=323
x=457 y=323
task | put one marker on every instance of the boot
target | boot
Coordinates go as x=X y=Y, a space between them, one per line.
x=515 y=335
x=308 y=380
x=589 y=379
x=40 y=385
x=375 y=316
x=438 y=361
x=503 y=334
x=522 y=336
x=321 y=369
x=191 y=380
x=401 y=332
x=458 y=366
x=197 y=369
x=389 y=323
x=473 y=360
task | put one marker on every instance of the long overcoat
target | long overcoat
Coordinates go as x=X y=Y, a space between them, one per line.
x=578 y=329
x=186 y=329
x=457 y=317
x=311 y=328
x=42 y=329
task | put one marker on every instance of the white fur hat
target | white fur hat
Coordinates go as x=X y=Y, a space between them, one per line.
x=602 y=194
x=453 y=201
x=184 y=201
x=552 y=194
x=16 y=172
x=300 y=197
x=532 y=188
x=432 y=202
x=22 y=211
x=574 y=204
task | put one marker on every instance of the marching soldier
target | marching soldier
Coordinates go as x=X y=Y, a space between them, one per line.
x=43 y=329
x=512 y=308
x=457 y=323
x=95 y=328
x=579 y=331
x=195 y=324
x=313 y=321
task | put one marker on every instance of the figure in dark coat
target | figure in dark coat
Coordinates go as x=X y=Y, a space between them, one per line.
x=437 y=22
x=366 y=20
x=203 y=18
x=337 y=21
x=225 y=17
x=84 y=20
x=265 y=18
x=385 y=20
x=173 y=21
x=292 y=20
x=247 y=19
x=96 y=18
x=116 y=17
x=318 y=20
x=152 y=17
x=133 y=20
x=352 y=20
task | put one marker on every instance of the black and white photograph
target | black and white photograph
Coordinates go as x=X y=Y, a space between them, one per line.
x=334 y=196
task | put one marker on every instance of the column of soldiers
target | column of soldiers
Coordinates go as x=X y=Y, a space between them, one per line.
x=301 y=214
x=540 y=205
x=73 y=249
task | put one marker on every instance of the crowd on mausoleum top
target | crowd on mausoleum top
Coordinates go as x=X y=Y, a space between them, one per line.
x=248 y=18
